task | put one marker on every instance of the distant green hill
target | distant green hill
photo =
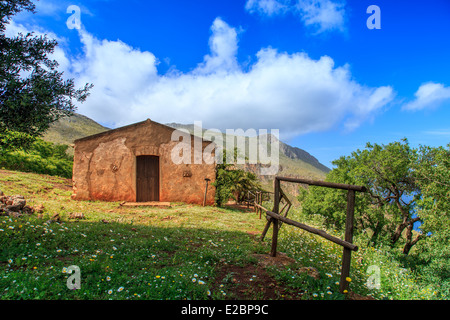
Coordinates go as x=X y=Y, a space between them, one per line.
x=294 y=162
x=68 y=129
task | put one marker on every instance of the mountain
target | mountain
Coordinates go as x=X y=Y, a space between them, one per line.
x=286 y=150
x=293 y=161
x=66 y=130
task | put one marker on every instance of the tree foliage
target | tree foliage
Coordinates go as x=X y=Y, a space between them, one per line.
x=33 y=93
x=431 y=259
x=233 y=183
x=399 y=195
x=41 y=157
x=432 y=171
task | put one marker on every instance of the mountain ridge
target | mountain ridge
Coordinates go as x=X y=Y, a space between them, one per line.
x=291 y=152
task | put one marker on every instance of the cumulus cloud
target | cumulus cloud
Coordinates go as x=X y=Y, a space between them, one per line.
x=321 y=15
x=13 y=29
x=284 y=91
x=290 y=92
x=324 y=15
x=267 y=7
x=224 y=48
x=120 y=74
x=429 y=95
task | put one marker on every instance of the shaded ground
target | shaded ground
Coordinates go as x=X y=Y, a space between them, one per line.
x=252 y=282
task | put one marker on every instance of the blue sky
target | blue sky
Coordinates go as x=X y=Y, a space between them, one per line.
x=310 y=68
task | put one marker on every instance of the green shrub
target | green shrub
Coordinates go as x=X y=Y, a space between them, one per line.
x=41 y=157
x=233 y=183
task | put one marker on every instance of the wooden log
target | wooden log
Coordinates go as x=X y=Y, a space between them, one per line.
x=269 y=221
x=276 y=207
x=323 y=234
x=323 y=184
x=275 y=228
x=260 y=203
x=284 y=207
x=260 y=207
x=258 y=198
x=266 y=228
x=347 y=254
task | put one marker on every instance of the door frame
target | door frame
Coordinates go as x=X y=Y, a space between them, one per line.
x=158 y=179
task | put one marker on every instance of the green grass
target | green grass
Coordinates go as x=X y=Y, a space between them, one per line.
x=150 y=262
x=181 y=252
x=151 y=253
x=395 y=282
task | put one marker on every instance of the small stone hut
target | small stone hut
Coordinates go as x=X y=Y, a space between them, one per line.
x=134 y=164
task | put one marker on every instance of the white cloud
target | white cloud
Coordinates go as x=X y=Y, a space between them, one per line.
x=223 y=46
x=290 y=92
x=321 y=15
x=120 y=74
x=324 y=15
x=266 y=7
x=13 y=29
x=429 y=95
x=57 y=9
x=284 y=91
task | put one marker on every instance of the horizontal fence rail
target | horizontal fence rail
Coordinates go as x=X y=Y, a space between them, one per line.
x=323 y=184
x=318 y=232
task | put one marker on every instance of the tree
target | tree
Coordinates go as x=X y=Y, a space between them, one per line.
x=232 y=182
x=33 y=93
x=242 y=182
x=432 y=171
x=388 y=210
x=431 y=259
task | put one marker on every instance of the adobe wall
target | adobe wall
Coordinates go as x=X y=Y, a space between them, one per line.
x=105 y=166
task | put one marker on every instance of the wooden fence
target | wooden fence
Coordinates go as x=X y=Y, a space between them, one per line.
x=256 y=198
x=276 y=217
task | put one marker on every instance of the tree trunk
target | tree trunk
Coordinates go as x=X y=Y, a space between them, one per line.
x=376 y=231
x=398 y=232
x=405 y=215
x=409 y=242
x=237 y=194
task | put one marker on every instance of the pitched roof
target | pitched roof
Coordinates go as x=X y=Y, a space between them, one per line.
x=137 y=124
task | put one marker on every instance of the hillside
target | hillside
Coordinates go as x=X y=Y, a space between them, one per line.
x=286 y=150
x=68 y=129
x=294 y=162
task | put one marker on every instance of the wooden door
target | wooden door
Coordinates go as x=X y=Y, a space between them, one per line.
x=147 y=178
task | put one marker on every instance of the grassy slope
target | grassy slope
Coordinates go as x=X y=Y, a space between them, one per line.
x=68 y=129
x=182 y=252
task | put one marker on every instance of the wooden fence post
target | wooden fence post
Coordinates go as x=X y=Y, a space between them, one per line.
x=266 y=228
x=275 y=222
x=257 y=201
x=347 y=254
x=260 y=203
